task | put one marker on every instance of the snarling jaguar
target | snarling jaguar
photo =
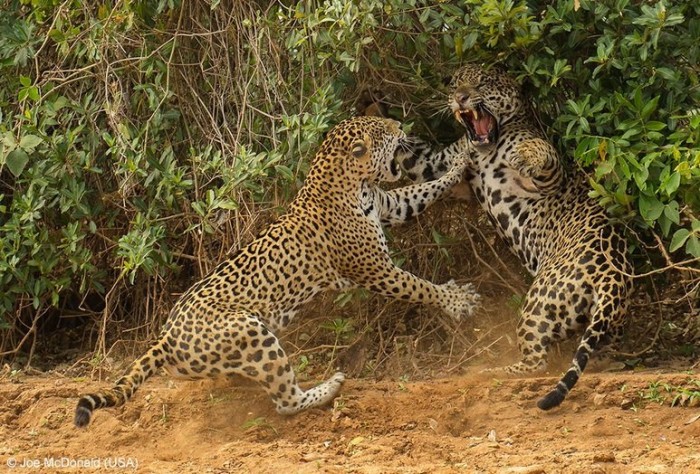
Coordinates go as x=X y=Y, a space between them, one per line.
x=577 y=255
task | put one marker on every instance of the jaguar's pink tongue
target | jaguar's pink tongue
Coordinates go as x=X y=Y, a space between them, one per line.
x=482 y=127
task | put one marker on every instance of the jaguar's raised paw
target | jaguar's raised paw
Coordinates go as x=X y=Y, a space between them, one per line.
x=463 y=300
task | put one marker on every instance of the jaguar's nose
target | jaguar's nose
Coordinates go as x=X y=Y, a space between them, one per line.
x=461 y=97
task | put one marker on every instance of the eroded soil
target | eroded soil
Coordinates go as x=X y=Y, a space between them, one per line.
x=617 y=422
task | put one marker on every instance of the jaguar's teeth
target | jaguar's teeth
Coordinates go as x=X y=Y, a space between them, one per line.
x=476 y=114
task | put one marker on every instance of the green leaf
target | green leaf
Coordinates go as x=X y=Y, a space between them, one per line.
x=438 y=238
x=671 y=185
x=650 y=207
x=228 y=205
x=285 y=172
x=604 y=168
x=625 y=169
x=693 y=246
x=671 y=211
x=16 y=161
x=674 y=19
x=679 y=238
x=640 y=177
x=29 y=142
x=665 y=223
x=666 y=73
x=649 y=107
x=630 y=133
x=470 y=40
x=33 y=93
x=655 y=126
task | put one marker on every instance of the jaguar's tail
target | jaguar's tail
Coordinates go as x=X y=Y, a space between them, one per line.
x=598 y=333
x=567 y=382
x=125 y=387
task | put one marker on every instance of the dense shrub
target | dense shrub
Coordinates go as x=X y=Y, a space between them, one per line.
x=140 y=138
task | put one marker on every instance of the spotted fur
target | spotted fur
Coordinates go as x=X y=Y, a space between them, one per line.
x=564 y=238
x=330 y=239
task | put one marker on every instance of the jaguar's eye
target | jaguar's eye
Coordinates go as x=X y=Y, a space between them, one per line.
x=359 y=149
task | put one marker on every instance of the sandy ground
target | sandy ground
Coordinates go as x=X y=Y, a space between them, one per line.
x=618 y=422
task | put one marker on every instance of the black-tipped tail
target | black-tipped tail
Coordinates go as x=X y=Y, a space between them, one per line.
x=125 y=387
x=553 y=398
x=83 y=412
x=567 y=382
x=89 y=403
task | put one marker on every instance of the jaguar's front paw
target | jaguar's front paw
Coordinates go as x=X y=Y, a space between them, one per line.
x=462 y=300
x=530 y=157
x=461 y=162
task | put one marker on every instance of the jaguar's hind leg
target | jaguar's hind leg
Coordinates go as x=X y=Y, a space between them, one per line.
x=534 y=359
x=533 y=349
x=260 y=357
x=240 y=344
x=553 y=310
x=605 y=325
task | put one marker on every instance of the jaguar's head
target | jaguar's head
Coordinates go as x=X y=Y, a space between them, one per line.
x=483 y=100
x=369 y=148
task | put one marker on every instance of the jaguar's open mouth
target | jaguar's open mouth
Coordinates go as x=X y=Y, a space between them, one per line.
x=481 y=125
x=401 y=152
x=394 y=167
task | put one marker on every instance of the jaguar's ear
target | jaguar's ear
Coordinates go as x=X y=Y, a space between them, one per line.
x=359 y=149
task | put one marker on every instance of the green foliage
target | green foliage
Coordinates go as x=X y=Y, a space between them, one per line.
x=259 y=423
x=111 y=161
x=133 y=133
x=687 y=394
x=617 y=82
x=342 y=328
